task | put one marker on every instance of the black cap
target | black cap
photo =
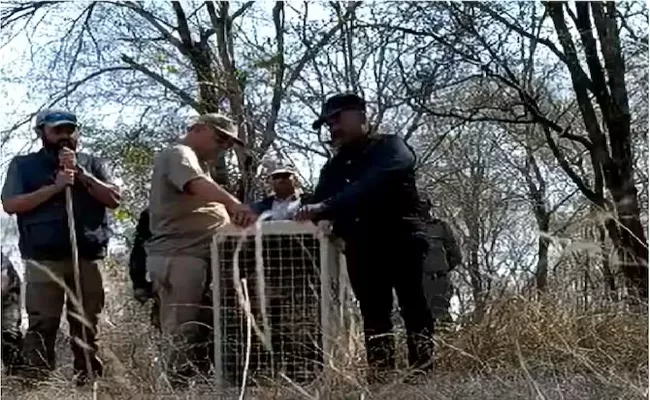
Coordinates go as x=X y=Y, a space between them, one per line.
x=338 y=103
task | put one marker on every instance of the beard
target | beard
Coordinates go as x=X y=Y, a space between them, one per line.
x=55 y=147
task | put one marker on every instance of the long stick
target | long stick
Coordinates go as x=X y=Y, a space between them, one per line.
x=77 y=279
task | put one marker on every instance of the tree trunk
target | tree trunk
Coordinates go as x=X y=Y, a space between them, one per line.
x=614 y=158
x=541 y=273
x=537 y=197
x=472 y=214
x=474 y=269
x=608 y=276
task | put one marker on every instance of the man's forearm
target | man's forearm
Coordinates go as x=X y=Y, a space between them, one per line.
x=26 y=202
x=210 y=191
x=107 y=194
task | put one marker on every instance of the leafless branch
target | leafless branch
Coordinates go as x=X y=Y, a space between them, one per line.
x=184 y=96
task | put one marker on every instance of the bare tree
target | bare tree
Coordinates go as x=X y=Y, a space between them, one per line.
x=199 y=46
x=481 y=35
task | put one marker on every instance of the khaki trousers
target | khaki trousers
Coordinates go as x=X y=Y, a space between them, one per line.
x=180 y=284
x=44 y=299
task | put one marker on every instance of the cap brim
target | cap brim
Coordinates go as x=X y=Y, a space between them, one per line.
x=321 y=120
x=318 y=123
x=281 y=171
x=231 y=135
x=238 y=141
x=60 y=123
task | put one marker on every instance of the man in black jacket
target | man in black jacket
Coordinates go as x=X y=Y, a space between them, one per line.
x=368 y=191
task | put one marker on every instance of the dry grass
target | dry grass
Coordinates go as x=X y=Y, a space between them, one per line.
x=522 y=349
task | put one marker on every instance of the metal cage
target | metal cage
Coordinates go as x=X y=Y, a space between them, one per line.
x=300 y=289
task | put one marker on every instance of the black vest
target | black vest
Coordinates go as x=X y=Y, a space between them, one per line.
x=44 y=233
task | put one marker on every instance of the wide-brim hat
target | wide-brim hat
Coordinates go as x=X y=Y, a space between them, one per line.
x=220 y=123
x=338 y=103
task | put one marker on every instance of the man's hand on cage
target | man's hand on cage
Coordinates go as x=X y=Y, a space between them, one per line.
x=309 y=211
x=325 y=227
x=242 y=215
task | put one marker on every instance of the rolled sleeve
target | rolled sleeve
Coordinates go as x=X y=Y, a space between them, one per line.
x=100 y=171
x=13 y=185
x=182 y=166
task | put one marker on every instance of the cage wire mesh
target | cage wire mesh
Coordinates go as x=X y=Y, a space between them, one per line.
x=300 y=294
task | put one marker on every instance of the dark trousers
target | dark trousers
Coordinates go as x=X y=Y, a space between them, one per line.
x=438 y=290
x=375 y=269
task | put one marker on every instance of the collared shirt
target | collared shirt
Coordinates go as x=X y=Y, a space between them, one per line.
x=284 y=209
x=181 y=223
x=275 y=209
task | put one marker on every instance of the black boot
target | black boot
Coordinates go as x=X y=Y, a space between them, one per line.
x=381 y=358
x=81 y=377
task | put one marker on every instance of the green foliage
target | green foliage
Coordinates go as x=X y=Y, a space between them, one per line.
x=122 y=215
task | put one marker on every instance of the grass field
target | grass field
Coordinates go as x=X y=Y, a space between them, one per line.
x=521 y=349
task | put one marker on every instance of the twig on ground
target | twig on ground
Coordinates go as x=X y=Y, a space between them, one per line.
x=249 y=319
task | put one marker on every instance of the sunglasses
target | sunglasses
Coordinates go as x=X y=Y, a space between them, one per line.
x=223 y=139
x=281 y=176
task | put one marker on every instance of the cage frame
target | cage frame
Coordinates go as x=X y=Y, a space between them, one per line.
x=333 y=283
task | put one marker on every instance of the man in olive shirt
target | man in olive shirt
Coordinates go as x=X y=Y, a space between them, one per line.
x=186 y=208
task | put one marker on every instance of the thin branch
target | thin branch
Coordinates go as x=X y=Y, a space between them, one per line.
x=184 y=96
x=302 y=147
x=137 y=8
x=313 y=51
x=564 y=164
x=241 y=10
x=278 y=93
x=67 y=92
x=12 y=15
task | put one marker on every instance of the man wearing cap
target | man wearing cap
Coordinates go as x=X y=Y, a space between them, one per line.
x=283 y=204
x=368 y=192
x=186 y=207
x=34 y=191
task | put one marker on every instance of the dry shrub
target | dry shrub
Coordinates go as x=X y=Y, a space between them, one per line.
x=521 y=349
x=548 y=335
